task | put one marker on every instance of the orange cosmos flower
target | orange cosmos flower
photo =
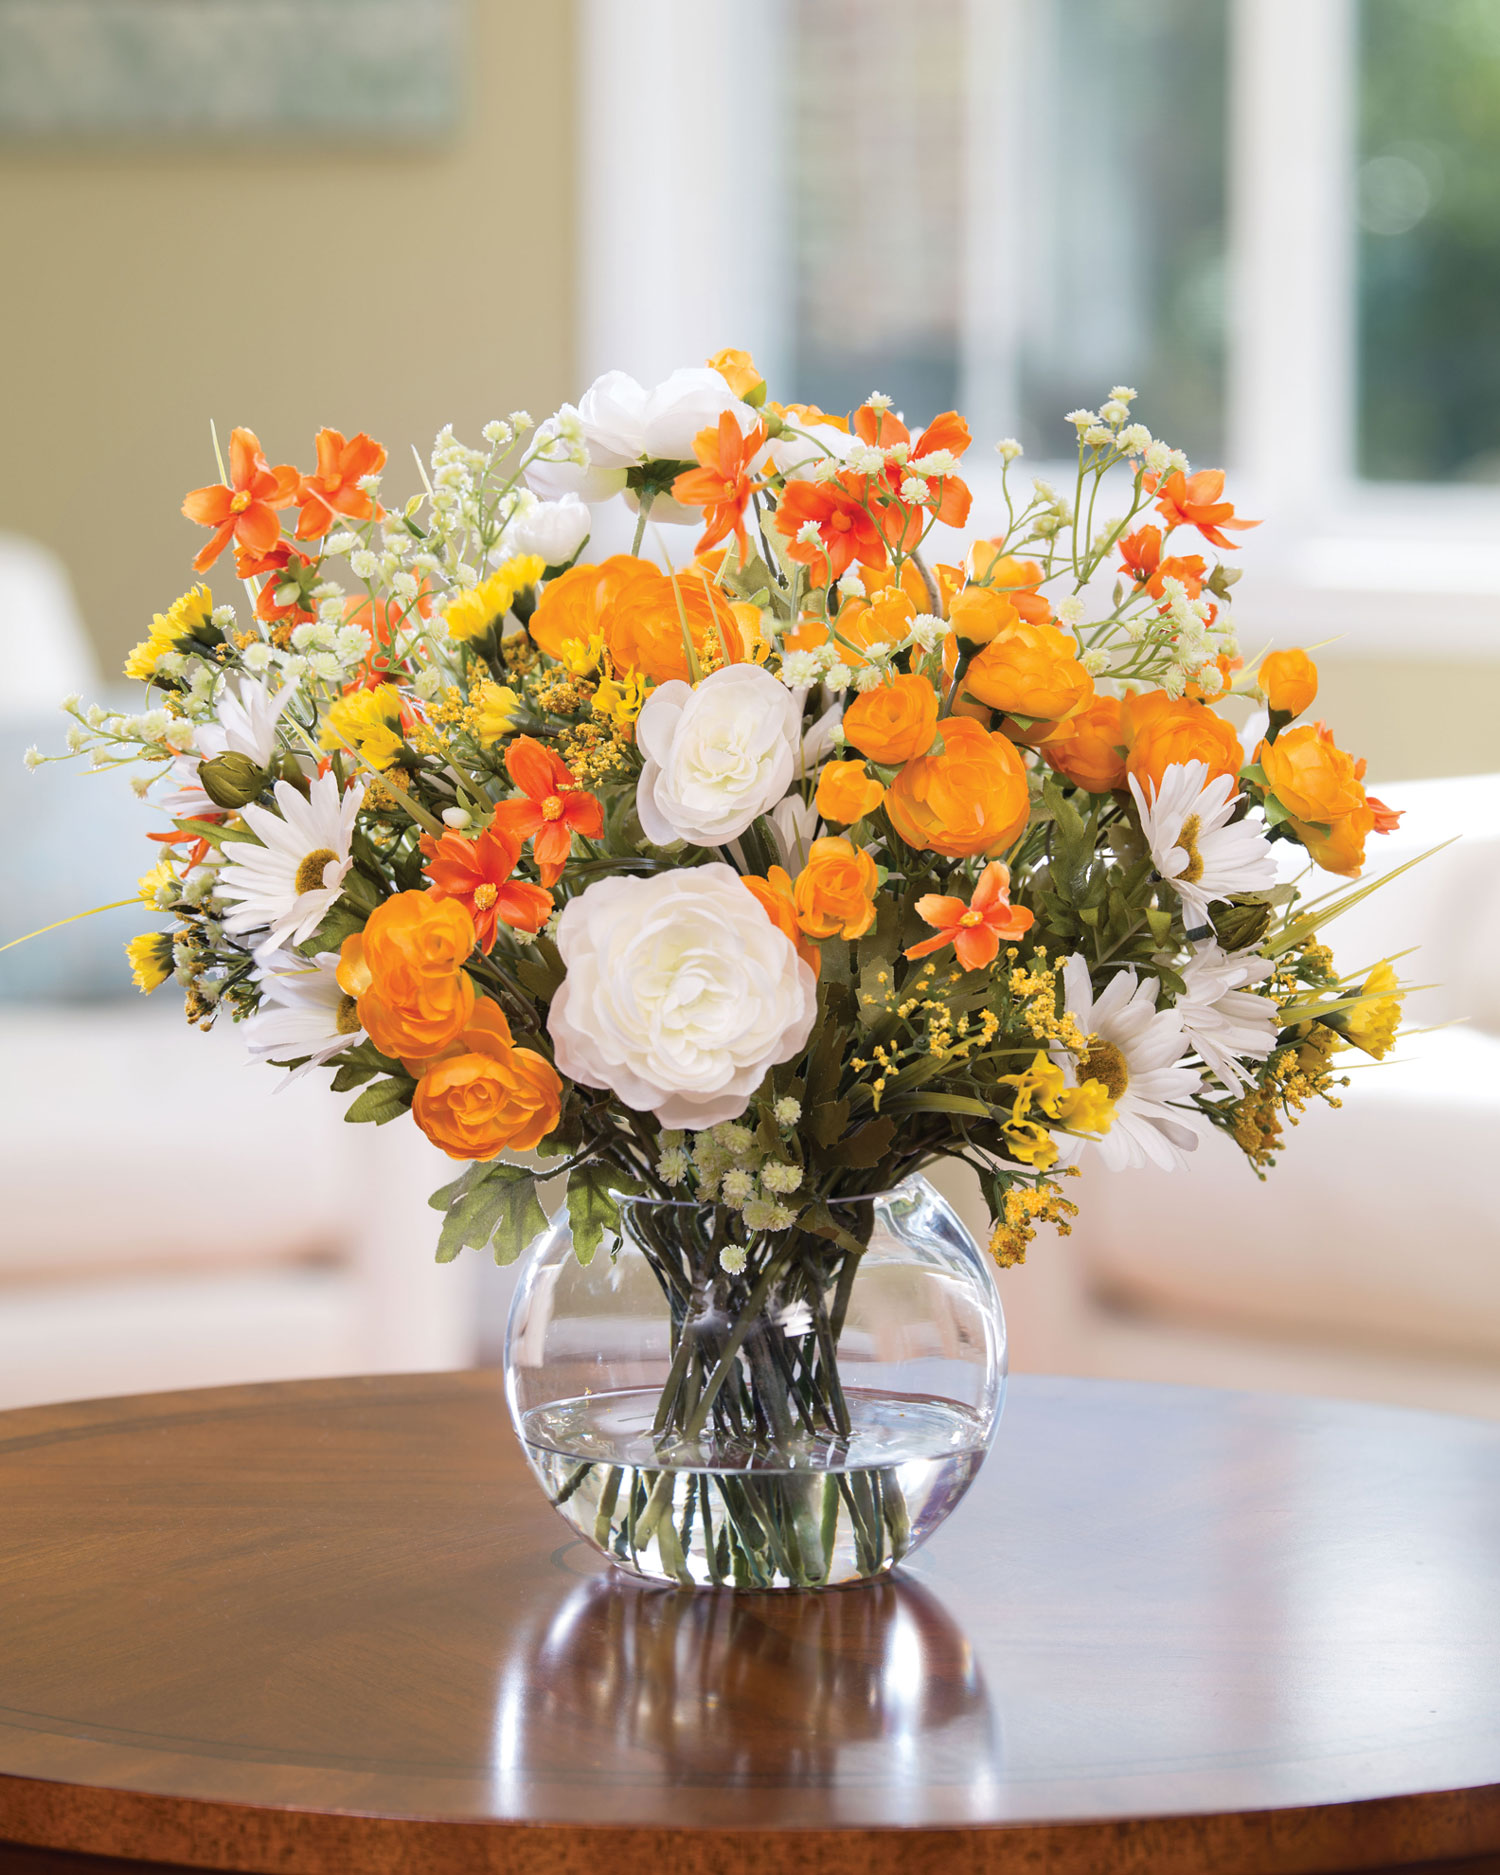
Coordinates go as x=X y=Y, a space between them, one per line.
x=1160 y=730
x=836 y=512
x=483 y=1095
x=1197 y=501
x=405 y=972
x=333 y=487
x=969 y=798
x=723 y=485
x=774 y=896
x=244 y=509
x=1384 y=819
x=1091 y=754
x=1141 y=554
x=974 y=930
x=283 y=566
x=553 y=810
x=478 y=874
x=835 y=891
x=847 y=791
x=895 y=721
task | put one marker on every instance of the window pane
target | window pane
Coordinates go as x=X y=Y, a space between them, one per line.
x=1429 y=240
x=877 y=141
x=1119 y=251
x=1128 y=200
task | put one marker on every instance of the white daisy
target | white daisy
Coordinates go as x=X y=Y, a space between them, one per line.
x=1224 y=1020
x=247 y=713
x=302 y=1011
x=1195 y=848
x=288 y=883
x=1136 y=1049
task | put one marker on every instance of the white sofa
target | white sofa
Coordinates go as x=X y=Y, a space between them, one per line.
x=1368 y=1263
x=166 y=1218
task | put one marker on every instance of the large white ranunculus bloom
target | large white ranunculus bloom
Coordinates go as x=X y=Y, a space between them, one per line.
x=624 y=423
x=680 y=993
x=715 y=756
x=553 y=475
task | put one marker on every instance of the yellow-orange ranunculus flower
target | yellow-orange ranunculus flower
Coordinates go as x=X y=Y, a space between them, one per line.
x=1320 y=787
x=968 y=798
x=1030 y=670
x=980 y=613
x=1161 y=730
x=643 y=630
x=573 y=607
x=894 y=722
x=484 y=1095
x=847 y=791
x=1288 y=681
x=405 y=972
x=886 y=619
x=737 y=369
x=1091 y=754
x=835 y=890
x=774 y=896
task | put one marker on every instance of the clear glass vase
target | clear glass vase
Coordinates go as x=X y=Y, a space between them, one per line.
x=713 y=1406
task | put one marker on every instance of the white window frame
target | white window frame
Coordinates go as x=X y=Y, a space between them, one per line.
x=678 y=246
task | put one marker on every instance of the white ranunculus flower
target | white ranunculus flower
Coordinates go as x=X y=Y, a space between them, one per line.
x=624 y=423
x=680 y=993
x=799 y=455
x=715 y=756
x=554 y=481
x=553 y=530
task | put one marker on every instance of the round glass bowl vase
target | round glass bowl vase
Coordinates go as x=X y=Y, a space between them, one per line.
x=712 y=1406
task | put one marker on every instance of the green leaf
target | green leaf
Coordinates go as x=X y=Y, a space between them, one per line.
x=490 y=1204
x=829 y=1121
x=821 y=1222
x=341 y=921
x=384 y=1101
x=351 y=1074
x=869 y=1145
x=592 y=1209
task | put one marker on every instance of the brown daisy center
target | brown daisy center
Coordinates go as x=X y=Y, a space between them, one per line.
x=1192 y=872
x=1105 y=1063
x=347 y=1019
x=310 y=873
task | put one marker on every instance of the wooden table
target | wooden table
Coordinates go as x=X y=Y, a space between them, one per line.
x=334 y=1627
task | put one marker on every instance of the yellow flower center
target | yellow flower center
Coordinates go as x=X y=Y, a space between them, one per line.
x=1192 y=872
x=1105 y=1063
x=552 y=808
x=485 y=895
x=972 y=918
x=347 y=1019
x=310 y=872
x=239 y=501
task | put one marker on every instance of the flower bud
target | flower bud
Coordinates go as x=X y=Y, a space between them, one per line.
x=1288 y=681
x=232 y=780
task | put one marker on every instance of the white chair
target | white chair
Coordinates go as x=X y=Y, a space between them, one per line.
x=169 y=1219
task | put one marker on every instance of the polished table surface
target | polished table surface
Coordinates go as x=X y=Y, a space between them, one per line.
x=334 y=1626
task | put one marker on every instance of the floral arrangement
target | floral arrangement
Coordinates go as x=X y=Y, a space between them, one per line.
x=765 y=878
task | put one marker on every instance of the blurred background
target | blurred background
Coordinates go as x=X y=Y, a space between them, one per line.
x=1279 y=222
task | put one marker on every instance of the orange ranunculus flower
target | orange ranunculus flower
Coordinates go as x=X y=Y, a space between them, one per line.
x=738 y=370
x=405 y=972
x=643 y=628
x=1161 y=730
x=979 y=614
x=885 y=619
x=573 y=607
x=1019 y=580
x=1288 y=681
x=487 y=1096
x=333 y=488
x=835 y=890
x=847 y=791
x=775 y=897
x=1030 y=670
x=970 y=797
x=1320 y=787
x=894 y=722
x=1092 y=753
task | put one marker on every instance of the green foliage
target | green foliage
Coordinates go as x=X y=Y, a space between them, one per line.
x=385 y=1100
x=490 y=1204
x=592 y=1206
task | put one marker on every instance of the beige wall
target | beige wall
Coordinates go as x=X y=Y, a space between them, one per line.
x=1410 y=717
x=392 y=292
